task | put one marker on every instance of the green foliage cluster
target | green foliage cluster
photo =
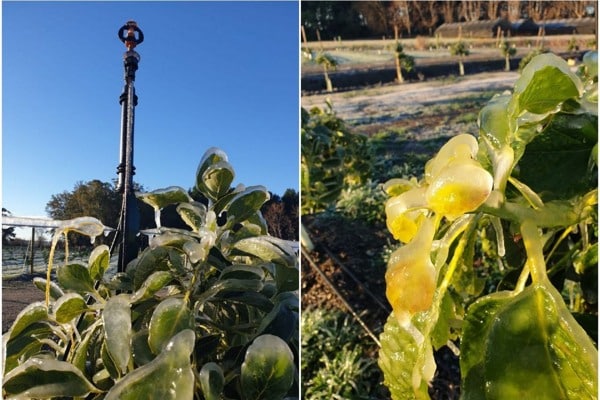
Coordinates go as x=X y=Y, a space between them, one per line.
x=335 y=359
x=363 y=203
x=205 y=313
x=403 y=62
x=534 y=169
x=332 y=159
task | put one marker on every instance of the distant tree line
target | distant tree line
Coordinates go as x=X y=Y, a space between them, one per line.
x=102 y=200
x=375 y=19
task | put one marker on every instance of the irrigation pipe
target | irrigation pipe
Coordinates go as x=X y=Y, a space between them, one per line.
x=351 y=274
x=337 y=293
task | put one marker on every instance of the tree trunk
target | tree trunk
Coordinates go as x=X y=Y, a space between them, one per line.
x=399 y=71
x=328 y=83
x=461 y=67
x=507 y=62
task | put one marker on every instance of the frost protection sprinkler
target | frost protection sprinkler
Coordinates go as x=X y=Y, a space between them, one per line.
x=129 y=221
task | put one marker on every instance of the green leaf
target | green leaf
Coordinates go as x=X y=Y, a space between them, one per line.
x=211 y=157
x=75 y=277
x=150 y=261
x=141 y=350
x=287 y=278
x=527 y=346
x=267 y=248
x=217 y=179
x=69 y=306
x=268 y=369
x=25 y=345
x=568 y=141
x=80 y=354
x=99 y=262
x=168 y=377
x=229 y=285
x=493 y=122
x=281 y=321
x=45 y=378
x=171 y=316
x=545 y=83
x=193 y=214
x=548 y=88
x=161 y=198
x=32 y=313
x=246 y=203
x=399 y=361
x=55 y=290
x=155 y=282
x=239 y=271
x=117 y=330
x=212 y=381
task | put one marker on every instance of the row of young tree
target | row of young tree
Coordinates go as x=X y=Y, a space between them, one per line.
x=102 y=200
x=329 y=20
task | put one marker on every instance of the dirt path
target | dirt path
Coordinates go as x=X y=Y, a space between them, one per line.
x=386 y=104
x=16 y=295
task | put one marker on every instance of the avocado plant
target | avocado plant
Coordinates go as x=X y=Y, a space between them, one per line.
x=210 y=312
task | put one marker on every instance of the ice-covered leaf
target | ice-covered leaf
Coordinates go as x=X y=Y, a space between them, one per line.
x=32 y=313
x=268 y=369
x=170 y=317
x=75 y=277
x=405 y=373
x=168 y=377
x=161 y=198
x=211 y=381
x=26 y=344
x=546 y=82
x=238 y=271
x=211 y=157
x=117 y=330
x=69 y=306
x=246 y=204
x=193 y=214
x=267 y=249
x=151 y=285
x=46 y=378
x=55 y=290
x=87 y=226
x=99 y=261
x=526 y=346
x=217 y=178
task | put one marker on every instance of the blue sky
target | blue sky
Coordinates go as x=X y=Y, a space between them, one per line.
x=221 y=74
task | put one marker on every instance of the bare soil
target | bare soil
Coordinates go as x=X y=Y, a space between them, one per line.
x=16 y=295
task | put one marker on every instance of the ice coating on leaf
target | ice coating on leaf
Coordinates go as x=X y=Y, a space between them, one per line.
x=458 y=189
x=268 y=368
x=88 y=226
x=161 y=198
x=168 y=377
x=403 y=212
x=590 y=60
x=546 y=61
x=410 y=276
x=195 y=251
x=46 y=378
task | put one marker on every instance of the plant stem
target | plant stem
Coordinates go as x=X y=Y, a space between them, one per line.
x=534 y=248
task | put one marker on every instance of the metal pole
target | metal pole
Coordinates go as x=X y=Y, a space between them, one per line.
x=129 y=223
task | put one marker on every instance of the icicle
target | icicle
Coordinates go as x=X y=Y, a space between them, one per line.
x=499 y=235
